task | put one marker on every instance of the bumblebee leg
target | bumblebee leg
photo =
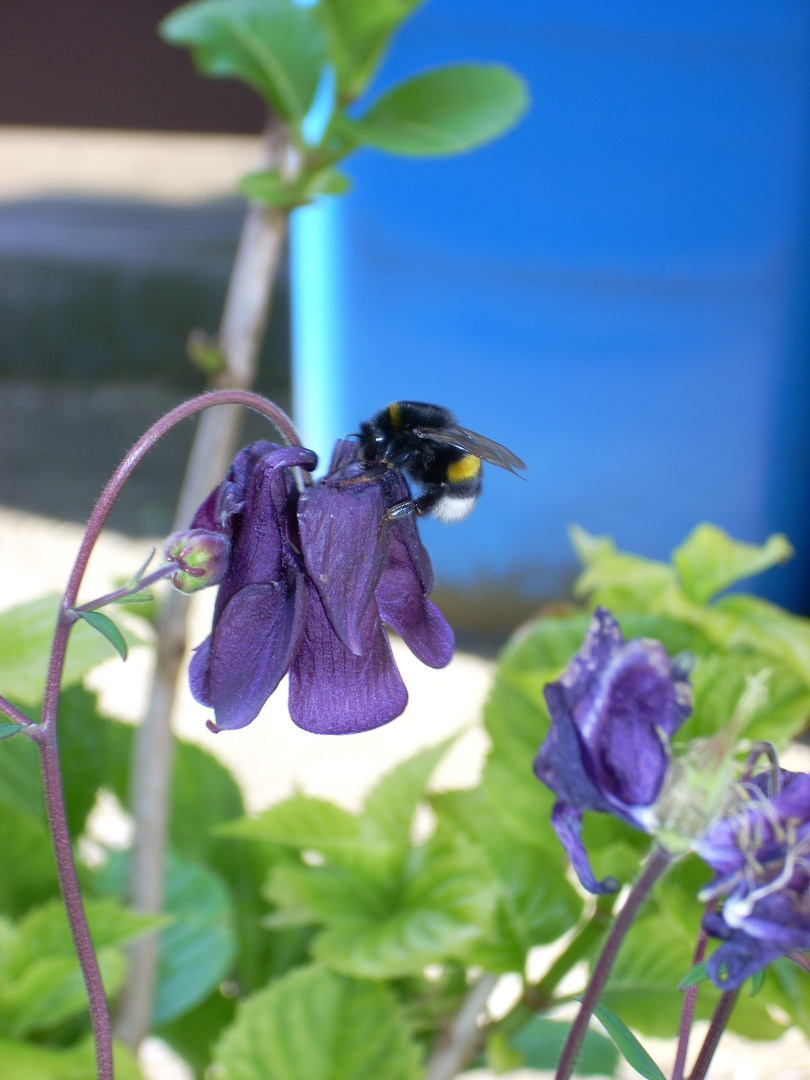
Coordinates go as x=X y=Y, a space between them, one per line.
x=420 y=506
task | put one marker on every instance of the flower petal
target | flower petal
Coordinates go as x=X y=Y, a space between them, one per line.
x=336 y=692
x=199 y=674
x=404 y=607
x=567 y=823
x=345 y=549
x=251 y=648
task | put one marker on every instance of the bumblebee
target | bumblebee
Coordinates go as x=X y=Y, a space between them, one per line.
x=426 y=443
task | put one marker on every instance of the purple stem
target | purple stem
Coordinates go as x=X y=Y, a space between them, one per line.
x=718 y=1025
x=656 y=865
x=689 y=1002
x=130 y=590
x=18 y=717
x=45 y=736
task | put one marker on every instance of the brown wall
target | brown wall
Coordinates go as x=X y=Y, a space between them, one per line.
x=101 y=64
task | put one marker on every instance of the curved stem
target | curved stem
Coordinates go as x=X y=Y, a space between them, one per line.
x=46 y=736
x=657 y=864
x=713 y=1035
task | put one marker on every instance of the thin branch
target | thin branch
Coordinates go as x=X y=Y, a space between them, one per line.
x=130 y=590
x=463 y=1038
x=17 y=716
x=656 y=865
x=242 y=330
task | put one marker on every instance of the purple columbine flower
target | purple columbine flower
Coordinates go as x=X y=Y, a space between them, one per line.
x=312 y=577
x=759 y=852
x=613 y=712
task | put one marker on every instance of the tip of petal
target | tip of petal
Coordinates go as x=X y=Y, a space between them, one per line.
x=213 y=727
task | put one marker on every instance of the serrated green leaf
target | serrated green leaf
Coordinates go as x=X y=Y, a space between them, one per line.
x=541 y=1041
x=26 y=845
x=41 y=984
x=535 y=903
x=443 y=905
x=315 y=1025
x=377 y=927
x=708 y=561
x=26 y=632
x=276 y=46
x=628 y=1045
x=390 y=806
x=107 y=628
x=446 y=111
x=616 y=579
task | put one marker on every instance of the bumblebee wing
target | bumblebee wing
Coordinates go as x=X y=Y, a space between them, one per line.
x=473 y=443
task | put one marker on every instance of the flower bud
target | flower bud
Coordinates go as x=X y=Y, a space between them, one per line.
x=202 y=557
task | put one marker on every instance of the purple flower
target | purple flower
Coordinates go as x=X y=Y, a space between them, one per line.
x=759 y=855
x=312 y=578
x=613 y=712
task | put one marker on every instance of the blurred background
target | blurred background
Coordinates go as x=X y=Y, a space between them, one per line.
x=616 y=290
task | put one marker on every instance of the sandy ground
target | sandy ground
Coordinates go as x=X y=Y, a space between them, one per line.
x=272 y=757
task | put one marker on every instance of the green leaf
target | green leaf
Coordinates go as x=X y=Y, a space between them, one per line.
x=535 y=903
x=26 y=632
x=696 y=974
x=541 y=1041
x=708 y=561
x=285 y=194
x=95 y=753
x=197 y=947
x=107 y=628
x=630 y=1048
x=315 y=1025
x=8 y=730
x=445 y=111
x=275 y=46
x=26 y=846
x=41 y=984
x=358 y=32
x=616 y=579
x=386 y=927
x=390 y=806
x=26 y=1061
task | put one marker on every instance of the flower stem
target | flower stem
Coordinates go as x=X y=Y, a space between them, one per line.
x=714 y=1034
x=656 y=865
x=46 y=732
x=130 y=590
x=463 y=1037
x=688 y=1010
x=16 y=716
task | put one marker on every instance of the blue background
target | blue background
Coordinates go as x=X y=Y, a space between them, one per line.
x=616 y=290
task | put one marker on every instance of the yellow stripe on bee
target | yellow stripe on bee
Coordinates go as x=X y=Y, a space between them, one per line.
x=395 y=415
x=464 y=469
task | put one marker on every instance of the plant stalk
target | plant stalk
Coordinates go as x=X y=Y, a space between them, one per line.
x=718 y=1025
x=656 y=865
x=242 y=330
x=459 y=1044
x=45 y=734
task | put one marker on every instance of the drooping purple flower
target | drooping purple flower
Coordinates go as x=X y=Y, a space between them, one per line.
x=613 y=712
x=759 y=852
x=312 y=578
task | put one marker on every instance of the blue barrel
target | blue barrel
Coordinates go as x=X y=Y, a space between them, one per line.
x=616 y=290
